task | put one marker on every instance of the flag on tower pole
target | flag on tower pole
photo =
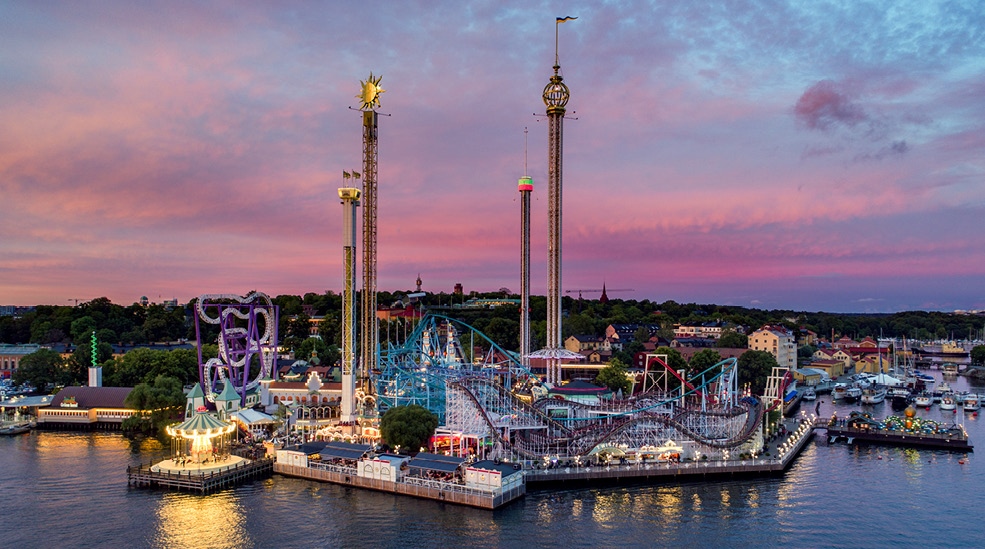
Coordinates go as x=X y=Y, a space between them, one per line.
x=566 y=18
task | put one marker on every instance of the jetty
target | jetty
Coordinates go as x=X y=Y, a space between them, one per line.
x=202 y=480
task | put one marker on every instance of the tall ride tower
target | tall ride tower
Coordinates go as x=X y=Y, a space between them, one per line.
x=350 y=199
x=369 y=334
x=556 y=95
x=525 y=186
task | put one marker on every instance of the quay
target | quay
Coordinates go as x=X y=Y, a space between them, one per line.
x=202 y=480
x=447 y=492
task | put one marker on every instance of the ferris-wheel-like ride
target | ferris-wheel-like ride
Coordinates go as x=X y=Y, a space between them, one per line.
x=247 y=342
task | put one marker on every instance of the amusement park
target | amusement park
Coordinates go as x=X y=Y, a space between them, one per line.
x=500 y=413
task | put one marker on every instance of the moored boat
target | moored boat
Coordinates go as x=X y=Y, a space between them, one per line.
x=899 y=397
x=948 y=402
x=873 y=395
x=810 y=394
x=15 y=428
x=971 y=403
x=923 y=400
x=852 y=394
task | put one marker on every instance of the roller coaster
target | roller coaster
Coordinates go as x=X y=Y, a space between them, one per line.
x=485 y=392
x=247 y=341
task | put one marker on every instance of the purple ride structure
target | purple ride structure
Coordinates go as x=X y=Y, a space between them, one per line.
x=247 y=342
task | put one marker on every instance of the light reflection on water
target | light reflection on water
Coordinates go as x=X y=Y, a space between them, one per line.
x=187 y=520
x=65 y=488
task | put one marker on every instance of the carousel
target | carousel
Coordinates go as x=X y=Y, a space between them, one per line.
x=200 y=446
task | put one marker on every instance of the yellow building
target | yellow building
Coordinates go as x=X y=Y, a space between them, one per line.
x=833 y=368
x=777 y=341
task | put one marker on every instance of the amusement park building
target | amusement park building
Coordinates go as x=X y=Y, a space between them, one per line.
x=777 y=341
x=86 y=408
x=312 y=392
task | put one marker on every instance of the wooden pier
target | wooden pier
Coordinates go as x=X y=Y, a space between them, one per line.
x=202 y=482
x=446 y=492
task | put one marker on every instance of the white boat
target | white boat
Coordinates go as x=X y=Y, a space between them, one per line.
x=810 y=394
x=838 y=391
x=950 y=369
x=947 y=402
x=923 y=400
x=852 y=394
x=873 y=395
x=971 y=403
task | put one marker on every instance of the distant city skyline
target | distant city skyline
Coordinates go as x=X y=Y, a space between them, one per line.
x=773 y=155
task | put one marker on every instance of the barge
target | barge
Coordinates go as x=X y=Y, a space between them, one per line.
x=899 y=431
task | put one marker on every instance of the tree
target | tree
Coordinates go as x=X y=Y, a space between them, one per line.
x=733 y=340
x=160 y=403
x=806 y=351
x=504 y=332
x=614 y=376
x=704 y=359
x=409 y=427
x=41 y=368
x=978 y=354
x=754 y=369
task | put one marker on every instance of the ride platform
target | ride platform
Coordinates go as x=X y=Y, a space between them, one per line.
x=201 y=477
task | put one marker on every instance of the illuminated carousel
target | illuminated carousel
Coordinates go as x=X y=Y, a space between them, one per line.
x=199 y=446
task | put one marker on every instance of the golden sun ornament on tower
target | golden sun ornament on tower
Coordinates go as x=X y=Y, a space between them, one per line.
x=370 y=95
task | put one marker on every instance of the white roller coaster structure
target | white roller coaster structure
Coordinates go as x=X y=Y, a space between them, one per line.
x=247 y=340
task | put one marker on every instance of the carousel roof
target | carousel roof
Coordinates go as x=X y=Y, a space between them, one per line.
x=201 y=424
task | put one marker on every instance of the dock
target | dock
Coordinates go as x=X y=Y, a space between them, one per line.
x=204 y=482
x=447 y=492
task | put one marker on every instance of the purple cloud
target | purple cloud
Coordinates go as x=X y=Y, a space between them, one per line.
x=824 y=105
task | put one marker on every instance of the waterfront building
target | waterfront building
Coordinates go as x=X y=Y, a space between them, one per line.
x=833 y=368
x=86 y=408
x=822 y=355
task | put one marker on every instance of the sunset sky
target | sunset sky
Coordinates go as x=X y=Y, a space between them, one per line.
x=799 y=155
